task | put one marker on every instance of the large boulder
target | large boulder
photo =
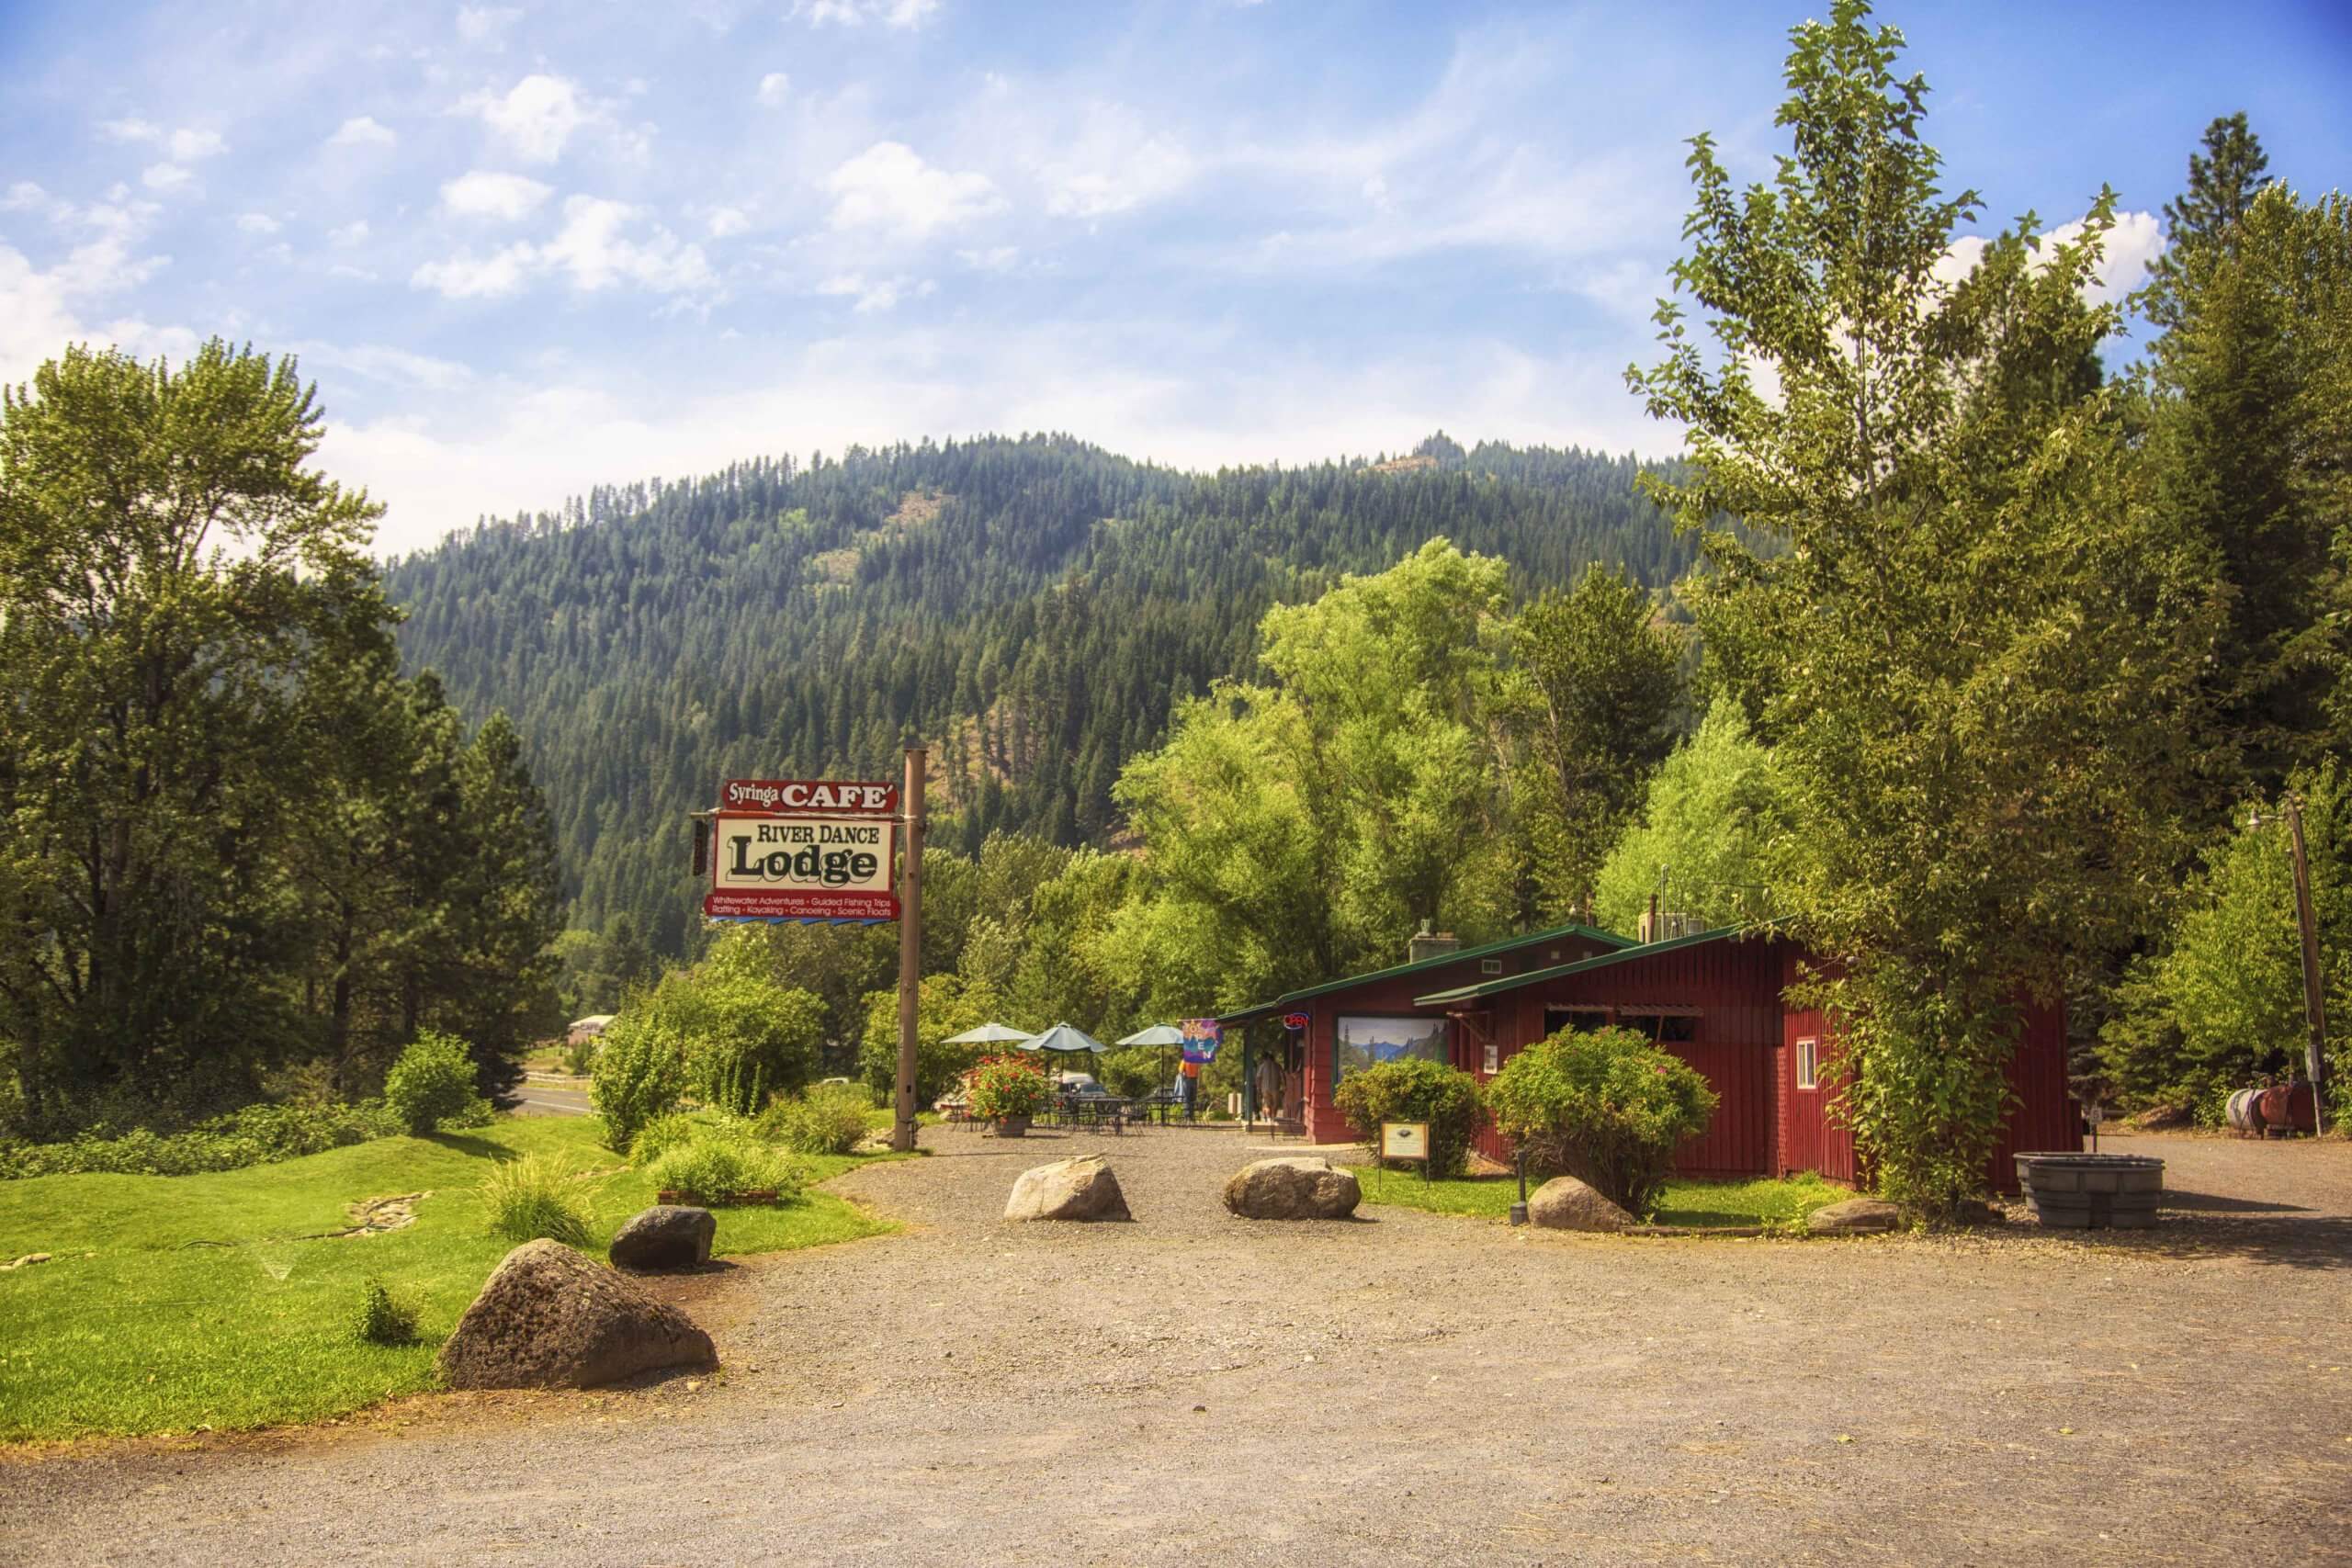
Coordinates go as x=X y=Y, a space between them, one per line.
x=668 y=1235
x=1563 y=1204
x=1297 y=1187
x=551 y=1318
x=1854 y=1216
x=1080 y=1188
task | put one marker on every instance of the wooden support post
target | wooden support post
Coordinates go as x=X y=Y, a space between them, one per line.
x=2314 y=997
x=903 y=1132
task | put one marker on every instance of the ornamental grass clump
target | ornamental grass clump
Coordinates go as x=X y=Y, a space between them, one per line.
x=1007 y=1088
x=531 y=1198
x=1607 y=1108
x=382 y=1318
x=829 y=1120
x=718 y=1167
x=1411 y=1089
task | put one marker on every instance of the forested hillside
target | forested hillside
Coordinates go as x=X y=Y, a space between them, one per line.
x=1032 y=607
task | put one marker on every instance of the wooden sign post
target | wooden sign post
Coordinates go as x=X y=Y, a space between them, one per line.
x=903 y=1132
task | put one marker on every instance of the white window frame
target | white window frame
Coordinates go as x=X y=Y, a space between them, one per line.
x=1809 y=1063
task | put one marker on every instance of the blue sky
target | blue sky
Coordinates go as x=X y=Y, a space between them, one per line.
x=528 y=248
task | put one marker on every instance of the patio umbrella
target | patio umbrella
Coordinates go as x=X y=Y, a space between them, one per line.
x=989 y=1034
x=1063 y=1037
x=1162 y=1035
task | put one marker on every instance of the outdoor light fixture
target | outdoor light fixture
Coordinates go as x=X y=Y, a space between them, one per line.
x=1518 y=1210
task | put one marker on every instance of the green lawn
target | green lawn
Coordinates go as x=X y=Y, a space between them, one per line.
x=132 y=1329
x=1703 y=1203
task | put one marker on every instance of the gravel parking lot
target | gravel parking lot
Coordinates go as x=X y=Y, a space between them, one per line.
x=1406 y=1387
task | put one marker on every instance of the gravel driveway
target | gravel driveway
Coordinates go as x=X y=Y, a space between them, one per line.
x=1406 y=1388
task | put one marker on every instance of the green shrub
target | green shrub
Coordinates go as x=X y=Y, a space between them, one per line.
x=672 y=1128
x=578 y=1057
x=256 y=1134
x=1415 y=1090
x=382 y=1319
x=531 y=1198
x=1607 y=1108
x=641 y=1071
x=829 y=1120
x=1008 y=1085
x=717 y=1167
x=432 y=1082
x=743 y=1034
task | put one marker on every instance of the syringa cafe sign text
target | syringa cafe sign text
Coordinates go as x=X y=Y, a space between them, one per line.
x=803 y=849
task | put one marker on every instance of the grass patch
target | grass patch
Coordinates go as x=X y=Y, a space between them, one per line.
x=1760 y=1201
x=178 y=1302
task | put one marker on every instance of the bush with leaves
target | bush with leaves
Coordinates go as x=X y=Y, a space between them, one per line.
x=382 y=1318
x=944 y=1005
x=1607 y=1108
x=1008 y=1087
x=745 y=1035
x=641 y=1071
x=828 y=1119
x=432 y=1085
x=1411 y=1089
x=578 y=1057
x=718 y=1166
x=257 y=1134
x=533 y=1198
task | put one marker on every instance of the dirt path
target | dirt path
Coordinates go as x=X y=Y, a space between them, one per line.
x=1192 y=1389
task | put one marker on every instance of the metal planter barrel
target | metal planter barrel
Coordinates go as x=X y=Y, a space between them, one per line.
x=2080 y=1191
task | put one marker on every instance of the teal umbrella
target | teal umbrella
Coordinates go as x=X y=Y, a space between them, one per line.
x=989 y=1034
x=1162 y=1035
x=1063 y=1037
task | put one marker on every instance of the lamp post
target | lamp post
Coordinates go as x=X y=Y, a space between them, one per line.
x=2314 y=1002
x=1518 y=1210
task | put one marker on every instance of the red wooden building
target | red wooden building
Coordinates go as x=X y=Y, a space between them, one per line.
x=1714 y=1000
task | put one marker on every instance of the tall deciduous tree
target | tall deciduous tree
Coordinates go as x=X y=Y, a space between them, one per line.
x=1974 y=647
x=1712 y=830
x=171 y=571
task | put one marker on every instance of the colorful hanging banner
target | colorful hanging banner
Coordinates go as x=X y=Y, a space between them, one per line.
x=1202 y=1037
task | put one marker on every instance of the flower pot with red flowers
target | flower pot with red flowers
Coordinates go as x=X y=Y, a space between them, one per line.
x=1008 y=1091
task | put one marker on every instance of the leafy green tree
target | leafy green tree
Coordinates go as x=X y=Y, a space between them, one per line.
x=1972 y=644
x=2223 y=1003
x=944 y=1005
x=1712 y=829
x=1592 y=693
x=744 y=1036
x=1297 y=829
x=171 y=571
x=2224 y=181
x=2249 y=444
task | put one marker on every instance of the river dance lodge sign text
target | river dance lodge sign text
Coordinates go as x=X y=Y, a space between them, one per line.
x=803 y=849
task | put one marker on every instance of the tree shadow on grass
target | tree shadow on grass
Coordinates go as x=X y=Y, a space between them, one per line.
x=467 y=1144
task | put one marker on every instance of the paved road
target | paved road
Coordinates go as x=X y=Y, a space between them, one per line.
x=544 y=1095
x=1192 y=1389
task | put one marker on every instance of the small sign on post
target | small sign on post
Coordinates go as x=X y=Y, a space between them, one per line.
x=1407 y=1141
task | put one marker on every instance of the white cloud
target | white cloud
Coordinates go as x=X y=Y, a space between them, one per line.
x=996 y=258
x=131 y=130
x=1148 y=172
x=462 y=277
x=165 y=177
x=486 y=24
x=774 y=88
x=535 y=117
x=257 y=224
x=727 y=221
x=25 y=197
x=362 y=130
x=393 y=366
x=592 y=248
x=188 y=146
x=482 y=193
x=351 y=233
x=598 y=247
x=2136 y=240
x=890 y=188
x=879 y=294
x=857 y=13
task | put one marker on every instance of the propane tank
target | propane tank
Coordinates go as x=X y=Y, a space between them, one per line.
x=2246 y=1113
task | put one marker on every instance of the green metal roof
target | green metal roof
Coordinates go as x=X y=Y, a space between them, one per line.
x=1512 y=982
x=1259 y=1009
